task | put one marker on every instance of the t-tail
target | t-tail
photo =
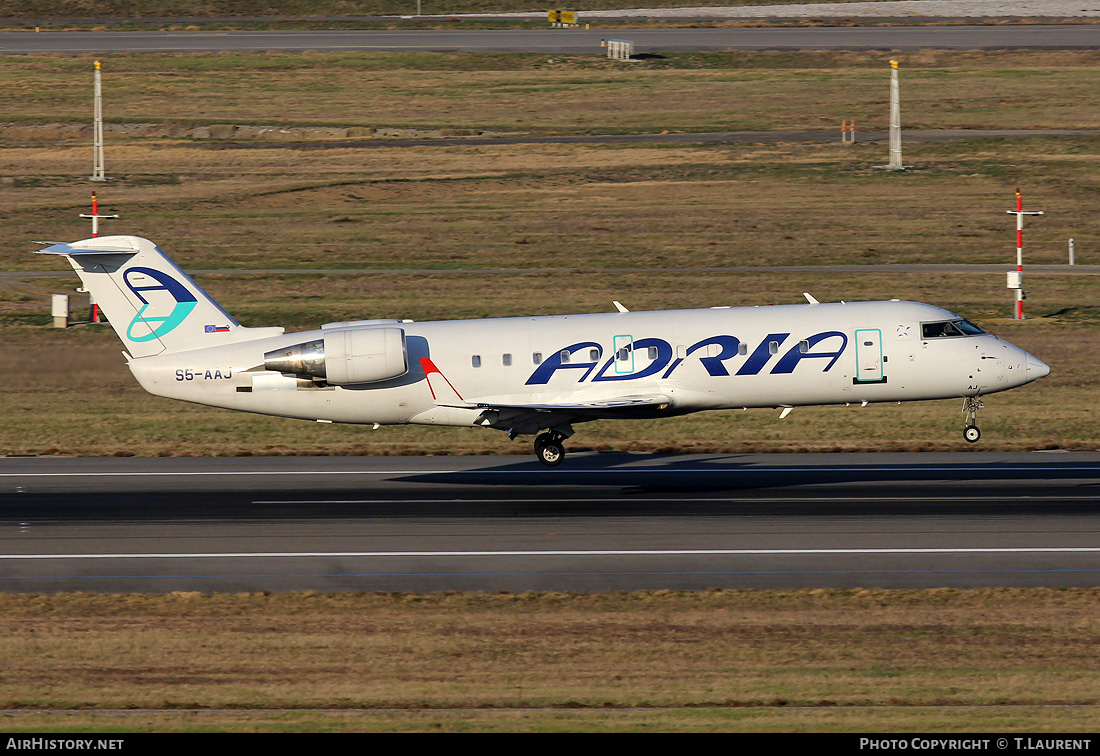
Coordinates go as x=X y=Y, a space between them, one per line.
x=153 y=306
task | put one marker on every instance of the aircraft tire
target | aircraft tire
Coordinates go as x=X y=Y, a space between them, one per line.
x=550 y=453
x=972 y=434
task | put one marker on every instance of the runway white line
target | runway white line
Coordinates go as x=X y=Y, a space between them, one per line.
x=598 y=552
x=734 y=499
x=616 y=471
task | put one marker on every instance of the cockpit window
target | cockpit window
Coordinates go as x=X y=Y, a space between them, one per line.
x=968 y=328
x=949 y=328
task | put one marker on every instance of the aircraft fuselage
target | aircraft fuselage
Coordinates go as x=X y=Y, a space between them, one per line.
x=717 y=358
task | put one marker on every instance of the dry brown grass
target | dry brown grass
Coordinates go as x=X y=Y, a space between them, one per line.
x=721 y=649
x=546 y=93
x=563 y=207
x=67 y=9
x=584 y=206
x=857 y=720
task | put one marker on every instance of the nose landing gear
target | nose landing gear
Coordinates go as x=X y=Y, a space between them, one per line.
x=549 y=448
x=971 y=405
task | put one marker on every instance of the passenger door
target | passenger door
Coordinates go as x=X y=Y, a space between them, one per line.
x=869 y=361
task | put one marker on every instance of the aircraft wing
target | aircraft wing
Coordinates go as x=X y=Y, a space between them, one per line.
x=520 y=415
x=601 y=406
x=515 y=411
x=446 y=395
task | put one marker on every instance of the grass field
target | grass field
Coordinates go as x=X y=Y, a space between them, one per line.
x=526 y=206
x=553 y=93
x=917 y=661
x=246 y=202
x=67 y=9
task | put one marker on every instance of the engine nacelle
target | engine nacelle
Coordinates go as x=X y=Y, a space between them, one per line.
x=354 y=355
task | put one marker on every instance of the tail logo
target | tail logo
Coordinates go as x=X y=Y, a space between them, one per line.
x=145 y=282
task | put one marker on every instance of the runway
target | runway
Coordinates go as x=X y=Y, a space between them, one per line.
x=601 y=522
x=572 y=41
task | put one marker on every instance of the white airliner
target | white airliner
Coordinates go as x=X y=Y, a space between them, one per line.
x=538 y=375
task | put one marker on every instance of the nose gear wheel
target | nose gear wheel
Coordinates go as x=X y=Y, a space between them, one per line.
x=971 y=405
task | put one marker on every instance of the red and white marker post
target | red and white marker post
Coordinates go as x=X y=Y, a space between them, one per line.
x=95 y=216
x=848 y=131
x=1017 y=282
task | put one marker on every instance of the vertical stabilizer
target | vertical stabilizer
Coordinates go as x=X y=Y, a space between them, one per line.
x=153 y=306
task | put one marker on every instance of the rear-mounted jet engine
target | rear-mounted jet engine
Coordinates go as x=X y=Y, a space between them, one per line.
x=354 y=355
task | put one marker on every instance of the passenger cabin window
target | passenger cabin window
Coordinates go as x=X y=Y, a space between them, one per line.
x=803 y=346
x=622 y=355
x=949 y=329
x=773 y=347
x=476 y=360
x=506 y=360
x=653 y=353
x=593 y=355
x=564 y=356
x=536 y=358
x=742 y=348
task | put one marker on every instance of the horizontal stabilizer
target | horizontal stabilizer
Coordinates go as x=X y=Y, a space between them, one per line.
x=110 y=245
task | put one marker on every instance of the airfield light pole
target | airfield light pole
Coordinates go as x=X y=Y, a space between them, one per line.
x=895 y=119
x=97 y=149
x=895 y=163
x=97 y=172
x=1017 y=281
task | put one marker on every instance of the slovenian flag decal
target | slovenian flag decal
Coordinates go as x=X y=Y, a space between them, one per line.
x=217 y=329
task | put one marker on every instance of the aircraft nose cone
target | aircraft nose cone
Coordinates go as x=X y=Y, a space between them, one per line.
x=1036 y=368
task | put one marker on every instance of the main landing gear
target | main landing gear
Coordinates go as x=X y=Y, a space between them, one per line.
x=971 y=405
x=549 y=448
